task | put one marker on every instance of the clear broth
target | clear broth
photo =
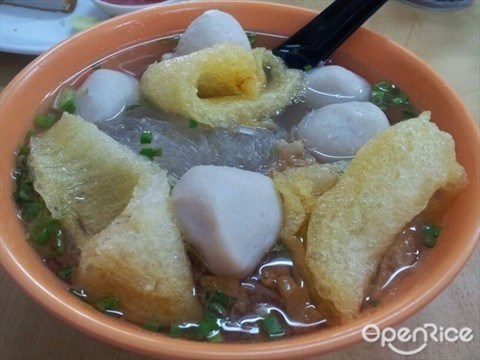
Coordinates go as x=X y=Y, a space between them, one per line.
x=276 y=285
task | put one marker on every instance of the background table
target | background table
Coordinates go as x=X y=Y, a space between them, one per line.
x=450 y=43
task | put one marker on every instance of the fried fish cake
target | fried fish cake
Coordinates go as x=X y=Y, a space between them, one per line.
x=115 y=205
x=223 y=85
x=391 y=180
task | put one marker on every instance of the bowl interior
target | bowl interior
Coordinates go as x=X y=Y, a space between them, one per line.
x=364 y=50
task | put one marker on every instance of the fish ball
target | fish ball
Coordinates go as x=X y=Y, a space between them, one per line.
x=230 y=216
x=212 y=27
x=105 y=93
x=326 y=85
x=338 y=130
x=334 y=84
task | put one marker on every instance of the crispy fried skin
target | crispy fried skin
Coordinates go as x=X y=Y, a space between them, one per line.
x=391 y=179
x=116 y=205
x=223 y=85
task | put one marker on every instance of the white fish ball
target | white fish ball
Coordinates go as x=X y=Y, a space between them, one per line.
x=210 y=28
x=334 y=84
x=105 y=93
x=230 y=216
x=338 y=131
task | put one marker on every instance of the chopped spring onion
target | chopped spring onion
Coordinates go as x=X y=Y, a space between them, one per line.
x=208 y=327
x=45 y=121
x=193 y=123
x=384 y=94
x=43 y=230
x=307 y=67
x=107 y=303
x=217 y=309
x=65 y=100
x=151 y=152
x=23 y=153
x=30 y=133
x=219 y=297
x=271 y=324
x=152 y=326
x=176 y=330
x=146 y=137
x=26 y=193
x=65 y=273
x=47 y=232
x=430 y=235
x=32 y=209
x=216 y=337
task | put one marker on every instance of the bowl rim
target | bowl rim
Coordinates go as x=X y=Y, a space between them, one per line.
x=112 y=331
x=120 y=9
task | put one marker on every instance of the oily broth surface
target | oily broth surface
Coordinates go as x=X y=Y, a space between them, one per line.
x=263 y=289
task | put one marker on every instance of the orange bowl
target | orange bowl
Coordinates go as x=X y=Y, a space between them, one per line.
x=23 y=98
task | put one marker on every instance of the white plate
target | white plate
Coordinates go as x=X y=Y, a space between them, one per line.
x=30 y=31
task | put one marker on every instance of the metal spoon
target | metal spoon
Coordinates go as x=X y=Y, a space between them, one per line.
x=317 y=40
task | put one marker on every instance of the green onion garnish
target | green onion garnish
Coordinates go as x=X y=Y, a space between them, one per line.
x=408 y=114
x=209 y=326
x=216 y=337
x=46 y=232
x=176 y=330
x=146 y=137
x=30 y=133
x=430 y=235
x=385 y=94
x=151 y=152
x=65 y=100
x=193 y=123
x=152 y=326
x=107 y=303
x=32 y=210
x=43 y=230
x=217 y=309
x=65 y=273
x=26 y=192
x=271 y=324
x=219 y=297
x=45 y=121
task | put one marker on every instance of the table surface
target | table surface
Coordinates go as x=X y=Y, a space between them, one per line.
x=449 y=42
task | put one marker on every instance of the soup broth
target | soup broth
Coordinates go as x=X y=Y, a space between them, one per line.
x=276 y=286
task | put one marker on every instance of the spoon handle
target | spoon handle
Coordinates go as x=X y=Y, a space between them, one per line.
x=317 y=40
